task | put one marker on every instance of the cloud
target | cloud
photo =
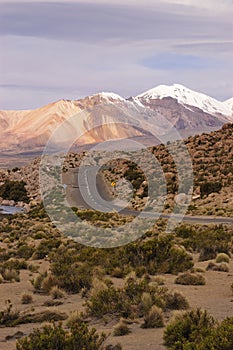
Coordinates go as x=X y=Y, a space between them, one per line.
x=52 y=50
x=172 y=61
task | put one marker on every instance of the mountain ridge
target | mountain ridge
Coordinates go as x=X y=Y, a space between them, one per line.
x=156 y=109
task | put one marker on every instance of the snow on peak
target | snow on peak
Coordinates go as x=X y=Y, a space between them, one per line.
x=188 y=97
x=229 y=102
x=110 y=96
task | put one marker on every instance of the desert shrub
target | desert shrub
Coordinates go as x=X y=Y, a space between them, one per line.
x=134 y=289
x=24 y=251
x=14 y=264
x=186 y=331
x=56 y=292
x=146 y=302
x=198 y=330
x=74 y=317
x=11 y=275
x=45 y=247
x=47 y=283
x=207 y=253
x=221 y=337
x=43 y=316
x=8 y=315
x=210 y=187
x=154 y=318
x=232 y=288
x=14 y=190
x=176 y=301
x=217 y=267
x=108 y=301
x=179 y=260
x=38 y=281
x=26 y=298
x=206 y=241
x=190 y=279
x=121 y=329
x=71 y=275
x=54 y=337
x=222 y=257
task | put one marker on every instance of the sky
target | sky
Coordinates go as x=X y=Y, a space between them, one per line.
x=51 y=50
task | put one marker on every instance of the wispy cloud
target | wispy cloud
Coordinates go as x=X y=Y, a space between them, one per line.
x=58 y=49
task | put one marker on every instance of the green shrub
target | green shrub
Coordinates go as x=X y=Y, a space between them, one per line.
x=176 y=301
x=71 y=275
x=190 y=279
x=108 y=301
x=221 y=337
x=187 y=330
x=54 y=337
x=14 y=190
x=198 y=331
x=222 y=257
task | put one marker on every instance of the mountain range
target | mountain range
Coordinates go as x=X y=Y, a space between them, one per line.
x=107 y=116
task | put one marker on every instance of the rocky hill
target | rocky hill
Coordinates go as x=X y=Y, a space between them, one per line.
x=211 y=156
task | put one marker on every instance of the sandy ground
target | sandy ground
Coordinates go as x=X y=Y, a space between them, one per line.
x=215 y=296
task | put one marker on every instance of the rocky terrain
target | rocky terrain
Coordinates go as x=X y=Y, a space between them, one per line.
x=211 y=156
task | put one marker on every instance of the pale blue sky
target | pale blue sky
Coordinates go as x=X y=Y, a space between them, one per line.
x=60 y=49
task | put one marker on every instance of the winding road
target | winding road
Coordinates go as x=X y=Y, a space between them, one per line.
x=86 y=189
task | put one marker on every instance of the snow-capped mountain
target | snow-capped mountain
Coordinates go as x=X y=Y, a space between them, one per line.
x=187 y=97
x=188 y=111
x=229 y=103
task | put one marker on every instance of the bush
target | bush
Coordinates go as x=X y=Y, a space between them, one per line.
x=176 y=301
x=14 y=190
x=210 y=187
x=26 y=298
x=121 y=329
x=74 y=317
x=8 y=315
x=56 y=293
x=147 y=302
x=198 y=330
x=221 y=337
x=187 y=330
x=222 y=257
x=109 y=301
x=48 y=283
x=54 y=337
x=11 y=275
x=190 y=279
x=154 y=318
x=218 y=267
